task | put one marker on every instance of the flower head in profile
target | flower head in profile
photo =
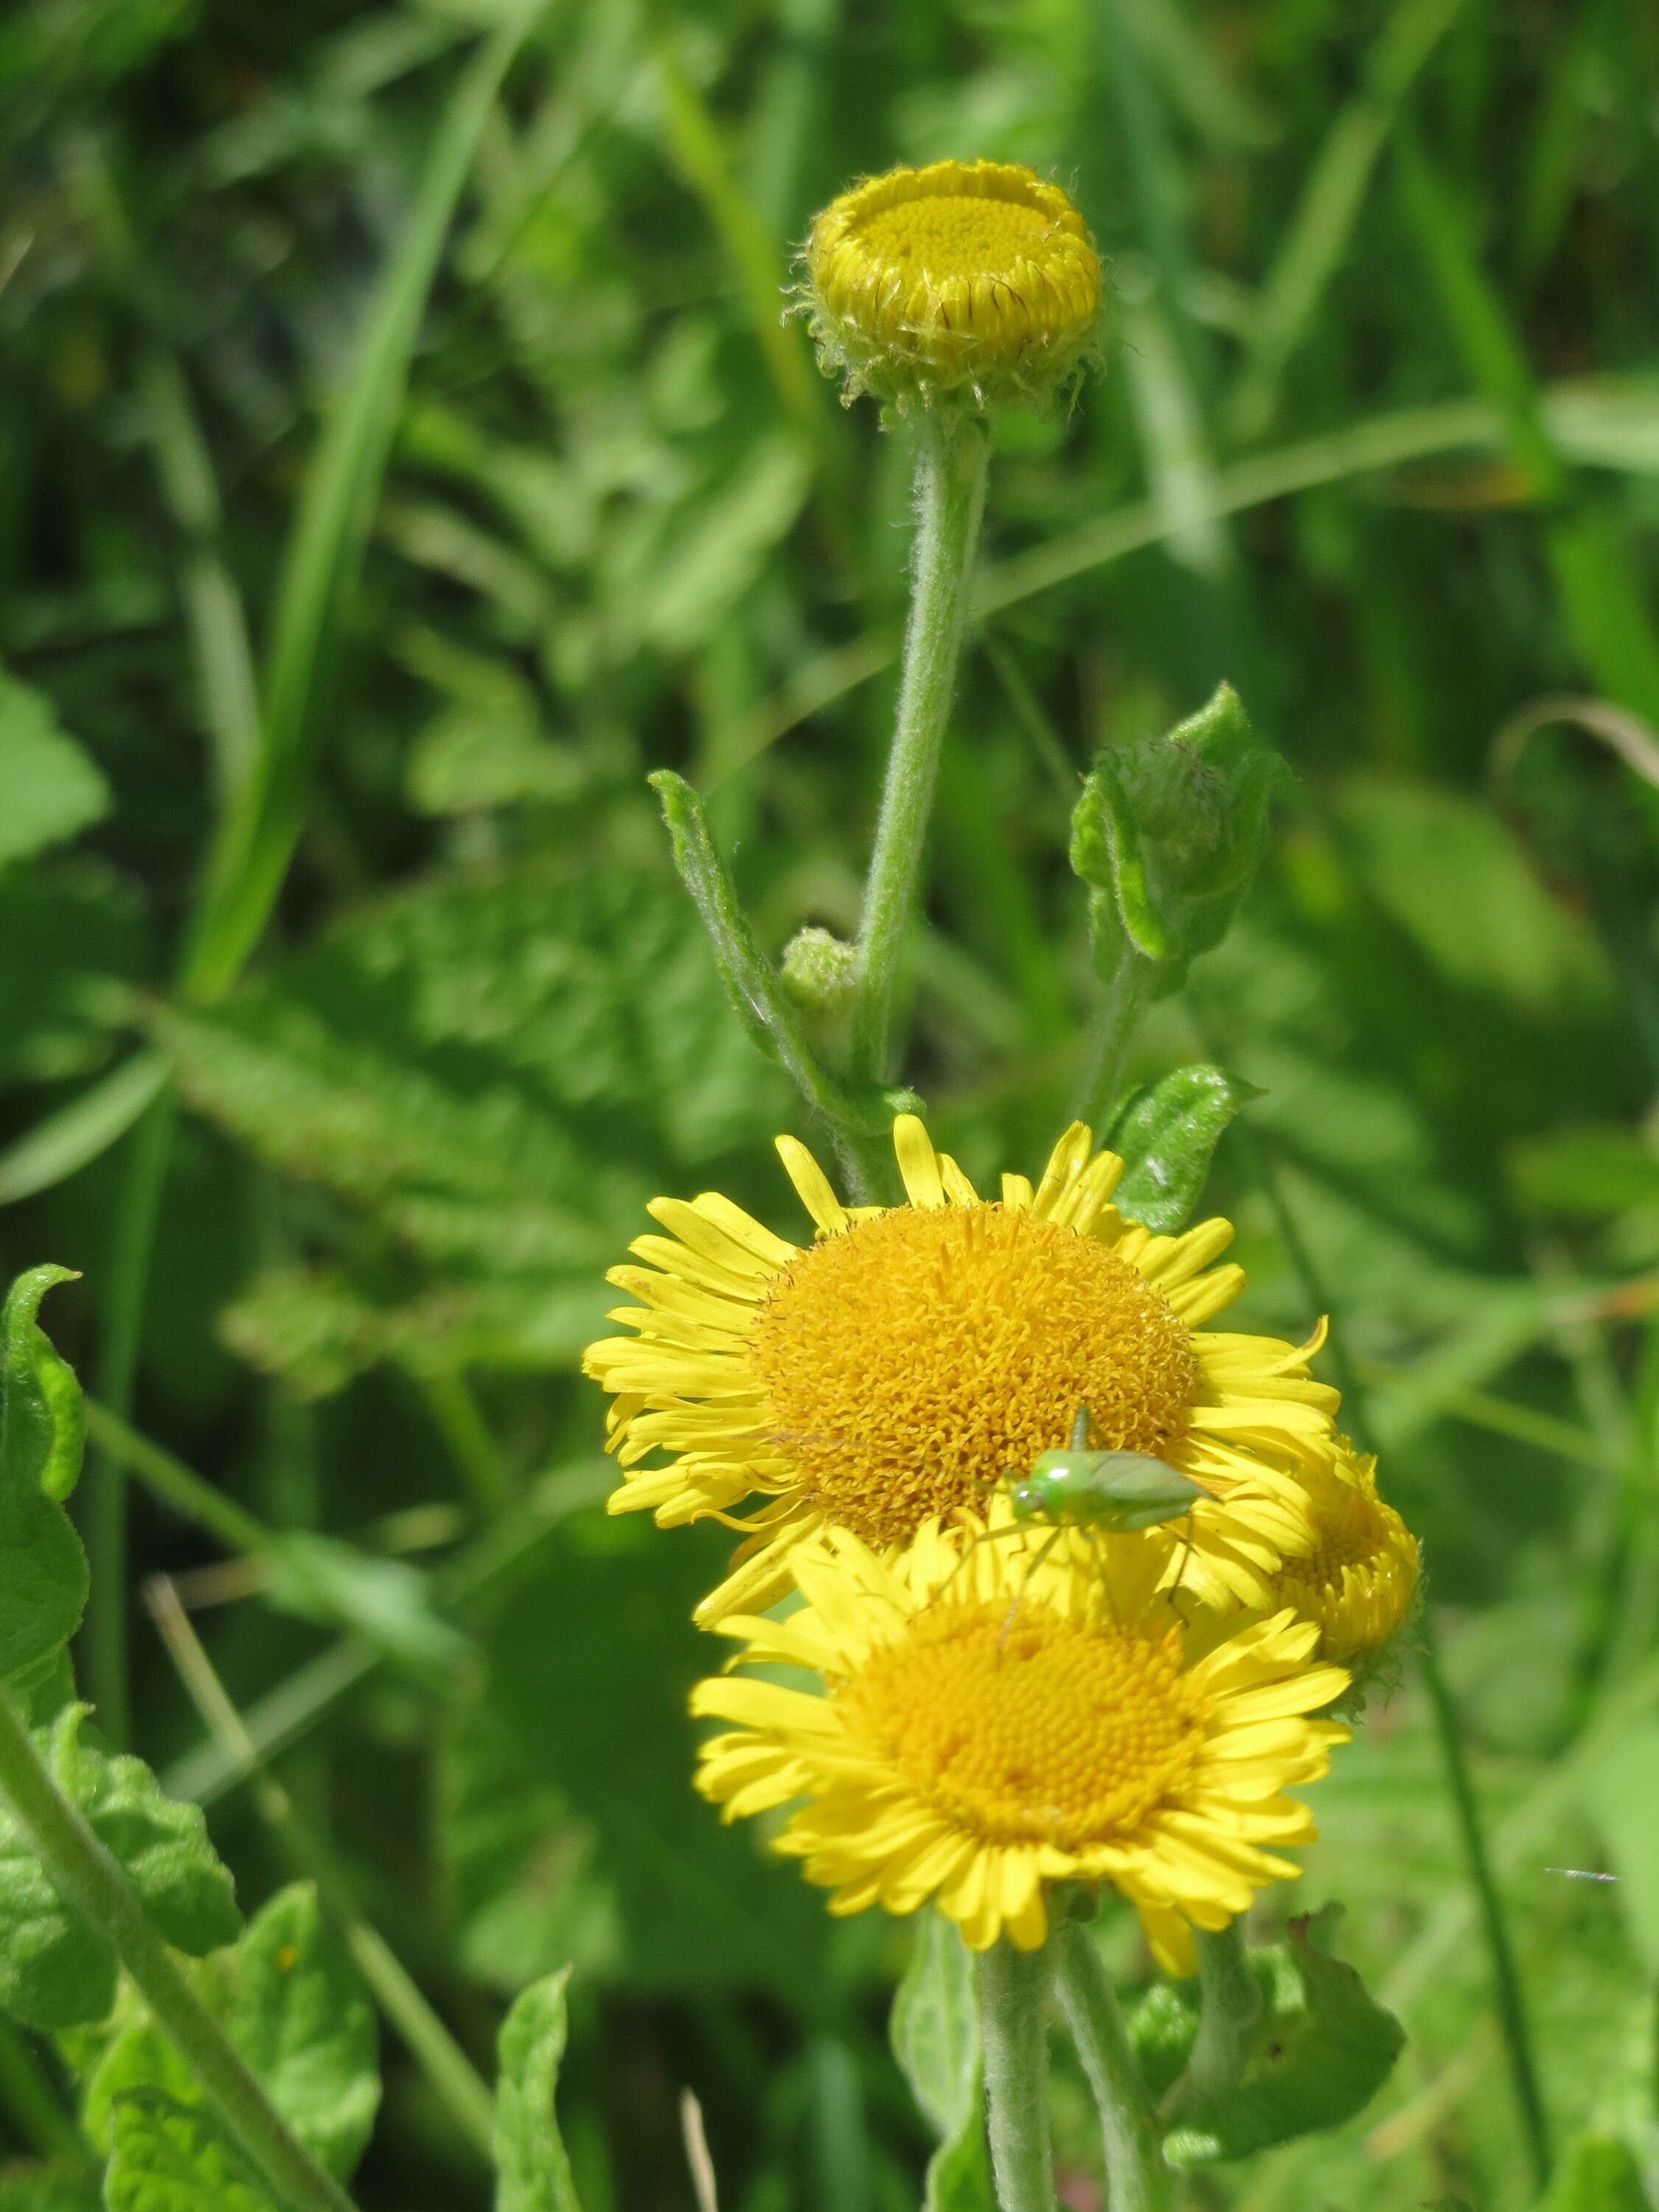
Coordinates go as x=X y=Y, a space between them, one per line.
x=996 y=1717
x=967 y=279
x=1359 y=1584
x=897 y=1367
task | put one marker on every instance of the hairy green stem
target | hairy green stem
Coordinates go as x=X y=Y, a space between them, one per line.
x=952 y=451
x=1226 y=2026
x=1137 y=2179
x=105 y=1635
x=1127 y=997
x=1011 y=1988
x=89 y=1879
x=1448 y=1722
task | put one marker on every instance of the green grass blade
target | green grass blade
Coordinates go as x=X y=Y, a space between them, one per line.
x=1319 y=233
x=1611 y=630
x=251 y=854
x=77 y=1133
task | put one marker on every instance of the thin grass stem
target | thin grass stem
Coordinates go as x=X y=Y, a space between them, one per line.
x=454 y=2080
x=1507 y=1993
x=104 y=1637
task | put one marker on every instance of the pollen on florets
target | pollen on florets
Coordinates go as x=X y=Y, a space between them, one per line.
x=973 y=282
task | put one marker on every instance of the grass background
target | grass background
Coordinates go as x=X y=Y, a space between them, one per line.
x=400 y=454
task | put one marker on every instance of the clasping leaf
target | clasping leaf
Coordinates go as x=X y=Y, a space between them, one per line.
x=43 y=1569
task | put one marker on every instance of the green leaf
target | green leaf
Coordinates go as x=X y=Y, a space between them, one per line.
x=533 y=2174
x=300 y=2017
x=599 y=1709
x=75 y=940
x=1167 y=1135
x=1323 y=2049
x=43 y=1569
x=51 y=2189
x=1456 y=880
x=524 y=1872
x=1166 y=835
x=389 y=1601
x=1597 y=2174
x=498 y=1073
x=55 y=1971
x=53 y=791
x=935 y=2036
x=1620 y=1793
x=1585 y=1173
x=168 y=2158
x=292 y=2003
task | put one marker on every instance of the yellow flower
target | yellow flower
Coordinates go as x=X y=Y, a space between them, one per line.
x=913 y=1355
x=1359 y=1585
x=995 y=1720
x=966 y=278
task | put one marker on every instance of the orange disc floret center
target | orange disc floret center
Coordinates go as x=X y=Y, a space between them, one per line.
x=1043 y=1731
x=910 y=1362
x=950 y=234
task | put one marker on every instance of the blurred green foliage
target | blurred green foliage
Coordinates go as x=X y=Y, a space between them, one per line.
x=1378 y=444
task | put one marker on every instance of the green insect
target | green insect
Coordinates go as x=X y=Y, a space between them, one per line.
x=1101 y=1493
x=1110 y=1491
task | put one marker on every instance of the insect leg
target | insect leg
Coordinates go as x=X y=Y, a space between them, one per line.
x=1104 y=1573
x=1186 y=1555
x=1054 y=1536
x=985 y=1536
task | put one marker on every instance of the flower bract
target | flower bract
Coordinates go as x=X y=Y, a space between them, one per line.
x=899 y=1366
x=970 y=279
x=1001 y=1712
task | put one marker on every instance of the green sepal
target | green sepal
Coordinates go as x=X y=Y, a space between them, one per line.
x=1167 y=1134
x=1323 y=2047
x=533 y=2174
x=1168 y=835
x=935 y=2037
x=43 y=1568
x=1598 y=2173
x=57 y=1972
x=168 y=2157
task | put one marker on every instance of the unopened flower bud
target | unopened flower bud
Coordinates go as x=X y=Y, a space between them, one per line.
x=968 y=281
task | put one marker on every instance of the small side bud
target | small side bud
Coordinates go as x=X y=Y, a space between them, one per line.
x=820 y=974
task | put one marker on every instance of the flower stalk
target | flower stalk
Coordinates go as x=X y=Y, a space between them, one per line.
x=1137 y=2178
x=952 y=453
x=1227 y=2024
x=88 y=1879
x=1011 y=1988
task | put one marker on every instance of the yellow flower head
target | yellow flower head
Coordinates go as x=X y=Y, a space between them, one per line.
x=900 y=1365
x=969 y=278
x=1359 y=1584
x=994 y=1719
